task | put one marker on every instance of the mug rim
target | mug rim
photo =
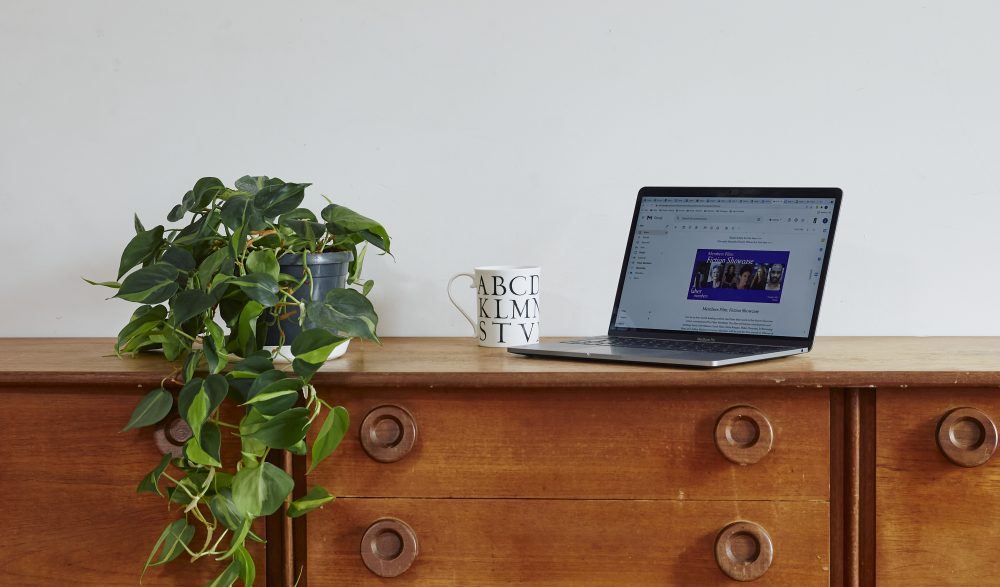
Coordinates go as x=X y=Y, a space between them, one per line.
x=507 y=268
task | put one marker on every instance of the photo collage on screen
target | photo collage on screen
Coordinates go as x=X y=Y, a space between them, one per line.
x=738 y=276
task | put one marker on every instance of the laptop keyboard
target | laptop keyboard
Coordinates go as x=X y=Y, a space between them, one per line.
x=677 y=345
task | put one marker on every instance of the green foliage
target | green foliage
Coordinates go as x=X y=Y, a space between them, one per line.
x=153 y=408
x=207 y=289
x=316 y=497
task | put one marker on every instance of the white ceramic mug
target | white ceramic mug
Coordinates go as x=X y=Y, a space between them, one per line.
x=506 y=304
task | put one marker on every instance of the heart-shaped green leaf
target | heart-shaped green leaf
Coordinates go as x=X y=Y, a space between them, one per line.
x=224 y=510
x=259 y=287
x=150 y=285
x=330 y=434
x=140 y=249
x=341 y=220
x=315 y=345
x=206 y=450
x=260 y=491
x=135 y=334
x=275 y=199
x=346 y=312
x=281 y=431
x=189 y=303
x=151 y=409
x=263 y=261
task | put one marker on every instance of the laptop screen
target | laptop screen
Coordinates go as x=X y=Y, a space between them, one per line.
x=728 y=265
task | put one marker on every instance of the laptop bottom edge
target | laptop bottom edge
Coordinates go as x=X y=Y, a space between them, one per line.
x=680 y=358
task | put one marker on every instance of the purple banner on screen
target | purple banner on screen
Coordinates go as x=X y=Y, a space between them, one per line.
x=729 y=275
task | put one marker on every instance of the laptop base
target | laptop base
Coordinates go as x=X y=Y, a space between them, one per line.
x=654 y=356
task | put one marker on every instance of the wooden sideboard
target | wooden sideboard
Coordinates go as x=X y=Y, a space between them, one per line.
x=471 y=466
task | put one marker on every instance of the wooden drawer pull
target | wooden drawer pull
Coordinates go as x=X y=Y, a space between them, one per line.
x=389 y=547
x=743 y=551
x=743 y=435
x=171 y=436
x=388 y=433
x=967 y=437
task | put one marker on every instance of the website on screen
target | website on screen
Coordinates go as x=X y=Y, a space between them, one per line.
x=727 y=265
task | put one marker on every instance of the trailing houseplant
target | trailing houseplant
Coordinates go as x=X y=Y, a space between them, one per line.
x=209 y=289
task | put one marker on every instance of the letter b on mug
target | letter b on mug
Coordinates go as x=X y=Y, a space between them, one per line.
x=506 y=304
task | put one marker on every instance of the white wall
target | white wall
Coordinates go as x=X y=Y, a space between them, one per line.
x=507 y=132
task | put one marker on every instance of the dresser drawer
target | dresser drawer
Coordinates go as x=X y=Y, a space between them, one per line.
x=586 y=443
x=936 y=508
x=569 y=543
x=71 y=515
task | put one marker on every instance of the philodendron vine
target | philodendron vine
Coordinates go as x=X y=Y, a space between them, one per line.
x=221 y=267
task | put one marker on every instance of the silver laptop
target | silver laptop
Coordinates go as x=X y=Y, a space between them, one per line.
x=716 y=276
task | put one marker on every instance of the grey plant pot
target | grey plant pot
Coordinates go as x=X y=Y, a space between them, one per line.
x=329 y=271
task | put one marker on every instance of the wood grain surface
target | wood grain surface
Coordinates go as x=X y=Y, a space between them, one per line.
x=936 y=522
x=567 y=543
x=834 y=361
x=70 y=513
x=588 y=443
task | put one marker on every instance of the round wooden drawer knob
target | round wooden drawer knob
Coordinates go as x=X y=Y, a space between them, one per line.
x=171 y=436
x=743 y=435
x=388 y=433
x=743 y=551
x=389 y=547
x=967 y=437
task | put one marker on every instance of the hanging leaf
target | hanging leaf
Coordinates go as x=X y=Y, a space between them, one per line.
x=151 y=409
x=260 y=491
x=273 y=381
x=214 y=347
x=330 y=434
x=258 y=286
x=191 y=364
x=213 y=264
x=281 y=431
x=204 y=449
x=140 y=249
x=179 y=258
x=189 y=303
x=224 y=510
x=135 y=334
x=170 y=544
x=227 y=577
x=248 y=570
x=253 y=365
x=251 y=183
x=243 y=339
x=197 y=412
x=263 y=261
x=205 y=189
x=151 y=482
x=176 y=213
x=187 y=393
x=345 y=312
x=315 y=345
x=275 y=199
x=316 y=497
x=150 y=285
x=304 y=369
x=111 y=284
x=341 y=220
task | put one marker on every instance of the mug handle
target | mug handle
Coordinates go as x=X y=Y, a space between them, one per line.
x=453 y=303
